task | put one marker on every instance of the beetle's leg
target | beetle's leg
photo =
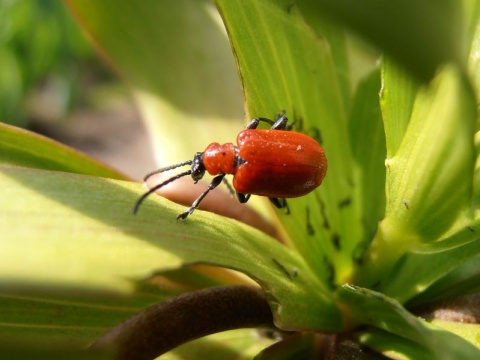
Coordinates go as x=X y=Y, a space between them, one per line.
x=281 y=123
x=289 y=127
x=229 y=186
x=281 y=204
x=254 y=123
x=243 y=198
x=215 y=182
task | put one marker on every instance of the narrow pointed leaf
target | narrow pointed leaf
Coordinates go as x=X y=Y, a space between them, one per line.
x=368 y=146
x=19 y=147
x=399 y=90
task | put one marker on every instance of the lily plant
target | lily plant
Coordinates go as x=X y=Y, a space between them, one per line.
x=362 y=266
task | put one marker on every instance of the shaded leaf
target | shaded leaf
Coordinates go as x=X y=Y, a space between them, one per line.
x=420 y=35
x=367 y=137
x=381 y=312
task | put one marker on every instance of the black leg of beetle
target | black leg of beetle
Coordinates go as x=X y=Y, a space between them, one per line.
x=215 y=182
x=281 y=204
x=243 y=198
x=229 y=186
x=281 y=123
x=254 y=123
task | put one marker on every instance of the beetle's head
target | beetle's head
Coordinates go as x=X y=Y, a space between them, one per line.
x=198 y=169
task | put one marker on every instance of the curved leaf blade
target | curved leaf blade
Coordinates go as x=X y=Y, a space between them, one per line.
x=19 y=147
x=91 y=239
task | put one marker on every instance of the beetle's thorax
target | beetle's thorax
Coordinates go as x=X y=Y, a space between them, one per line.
x=221 y=159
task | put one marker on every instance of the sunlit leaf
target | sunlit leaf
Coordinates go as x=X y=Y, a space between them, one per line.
x=399 y=90
x=91 y=239
x=20 y=147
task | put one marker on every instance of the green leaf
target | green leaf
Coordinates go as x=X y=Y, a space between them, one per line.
x=392 y=346
x=284 y=65
x=399 y=90
x=296 y=346
x=420 y=35
x=367 y=137
x=380 y=312
x=61 y=319
x=442 y=258
x=429 y=179
x=90 y=239
x=472 y=10
x=460 y=280
x=19 y=147
x=241 y=344
x=468 y=332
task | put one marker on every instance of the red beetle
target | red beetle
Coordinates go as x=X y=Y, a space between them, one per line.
x=277 y=163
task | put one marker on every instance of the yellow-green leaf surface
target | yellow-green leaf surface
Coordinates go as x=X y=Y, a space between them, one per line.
x=283 y=64
x=397 y=97
x=19 y=147
x=176 y=59
x=81 y=233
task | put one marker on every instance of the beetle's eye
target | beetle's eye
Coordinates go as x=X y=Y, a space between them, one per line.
x=198 y=174
x=198 y=169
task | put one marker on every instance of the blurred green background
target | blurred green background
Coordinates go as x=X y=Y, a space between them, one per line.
x=43 y=53
x=53 y=82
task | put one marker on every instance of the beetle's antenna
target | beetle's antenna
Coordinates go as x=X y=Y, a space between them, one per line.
x=171 y=167
x=156 y=187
